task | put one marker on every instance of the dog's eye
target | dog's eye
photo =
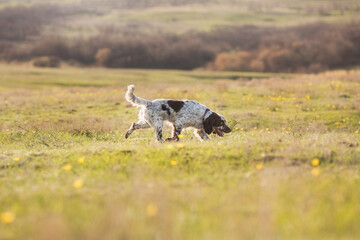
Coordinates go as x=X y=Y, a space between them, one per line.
x=219 y=123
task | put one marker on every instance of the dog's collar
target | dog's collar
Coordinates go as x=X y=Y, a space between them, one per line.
x=206 y=111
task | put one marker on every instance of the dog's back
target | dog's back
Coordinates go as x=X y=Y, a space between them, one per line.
x=185 y=112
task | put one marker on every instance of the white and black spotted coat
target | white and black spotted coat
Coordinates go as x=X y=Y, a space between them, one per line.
x=180 y=114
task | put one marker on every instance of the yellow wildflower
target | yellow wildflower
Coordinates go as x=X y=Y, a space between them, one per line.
x=169 y=146
x=67 y=167
x=315 y=162
x=81 y=160
x=315 y=171
x=180 y=136
x=337 y=123
x=356 y=131
x=16 y=159
x=7 y=217
x=255 y=128
x=180 y=145
x=79 y=183
x=174 y=163
x=259 y=166
x=151 y=210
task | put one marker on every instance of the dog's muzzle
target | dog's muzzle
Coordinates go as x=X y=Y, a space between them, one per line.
x=222 y=130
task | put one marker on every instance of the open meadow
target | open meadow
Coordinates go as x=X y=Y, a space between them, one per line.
x=288 y=170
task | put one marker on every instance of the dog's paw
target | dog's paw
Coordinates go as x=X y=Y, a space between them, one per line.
x=172 y=139
x=127 y=135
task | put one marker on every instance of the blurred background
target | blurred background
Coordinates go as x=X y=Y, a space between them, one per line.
x=228 y=35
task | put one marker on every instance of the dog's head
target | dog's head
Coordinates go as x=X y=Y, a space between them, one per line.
x=216 y=123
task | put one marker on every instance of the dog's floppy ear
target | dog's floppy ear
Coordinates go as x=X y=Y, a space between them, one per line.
x=209 y=122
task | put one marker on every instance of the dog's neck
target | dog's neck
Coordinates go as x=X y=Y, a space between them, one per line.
x=206 y=111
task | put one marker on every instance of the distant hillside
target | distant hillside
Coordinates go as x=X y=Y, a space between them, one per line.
x=239 y=35
x=89 y=17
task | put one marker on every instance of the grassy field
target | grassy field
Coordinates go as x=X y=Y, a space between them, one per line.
x=289 y=169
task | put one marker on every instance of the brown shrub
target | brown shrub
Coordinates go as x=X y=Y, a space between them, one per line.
x=257 y=65
x=311 y=48
x=51 y=46
x=52 y=62
x=224 y=62
x=102 y=56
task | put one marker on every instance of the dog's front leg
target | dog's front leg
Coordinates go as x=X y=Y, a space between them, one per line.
x=175 y=133
x=201 y=135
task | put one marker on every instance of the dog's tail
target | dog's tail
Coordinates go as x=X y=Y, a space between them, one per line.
x=134 y=100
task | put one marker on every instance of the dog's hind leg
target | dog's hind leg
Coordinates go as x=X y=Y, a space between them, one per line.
x=201 y=135
x=158 y=126
x=134 y=126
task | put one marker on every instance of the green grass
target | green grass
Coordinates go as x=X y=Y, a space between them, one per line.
x=255 y=183
x=13 y=76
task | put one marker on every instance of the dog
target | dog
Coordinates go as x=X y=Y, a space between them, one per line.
x=180 y=114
